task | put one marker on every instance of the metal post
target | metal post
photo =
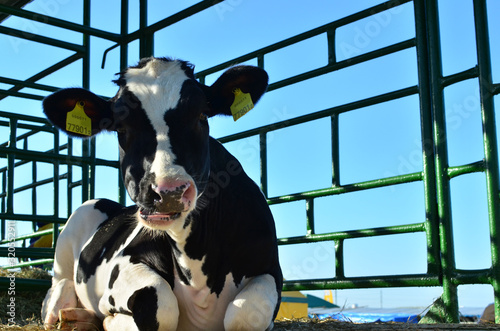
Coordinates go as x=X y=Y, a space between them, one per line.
x=490 y=142
x=450 y=297
x=263 y=162
x=146 y=43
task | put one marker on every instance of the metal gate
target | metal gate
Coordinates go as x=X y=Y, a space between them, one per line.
x=74 y=173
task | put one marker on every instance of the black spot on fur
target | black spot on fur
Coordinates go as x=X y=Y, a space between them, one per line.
x=144 y=306
x=114 y=276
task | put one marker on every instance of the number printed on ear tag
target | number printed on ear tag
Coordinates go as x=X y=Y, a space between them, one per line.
x=242 y=104
x=77 y=121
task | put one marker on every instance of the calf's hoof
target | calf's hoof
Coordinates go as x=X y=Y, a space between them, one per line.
x=79 y=319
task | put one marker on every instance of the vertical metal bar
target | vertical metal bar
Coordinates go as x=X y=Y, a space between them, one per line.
x=10 y=166
x=4 y=191
x=490 y=142
x=92 y=167
x=33 y=191
x=310 y=216
x=146 y=42
x=70 y=179
x=339 y=259
x=55 y=164
x=426 y=129
x=263 y=162
x=335 y=150
x=450 y=296
x=330 y=37
x=123 y=33
x=260 y=61
x=86 y=84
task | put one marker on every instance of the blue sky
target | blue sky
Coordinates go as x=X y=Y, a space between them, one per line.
x=375 y=142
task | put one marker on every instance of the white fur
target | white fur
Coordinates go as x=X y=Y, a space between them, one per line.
x=158 y=87
x=253 y=307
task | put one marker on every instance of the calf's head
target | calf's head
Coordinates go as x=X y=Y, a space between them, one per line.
x=160 y=115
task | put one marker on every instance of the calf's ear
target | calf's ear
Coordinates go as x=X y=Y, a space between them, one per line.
x=78 y=112
x=248 y=79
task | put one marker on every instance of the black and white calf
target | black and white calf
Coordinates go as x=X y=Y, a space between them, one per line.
x=198 y=251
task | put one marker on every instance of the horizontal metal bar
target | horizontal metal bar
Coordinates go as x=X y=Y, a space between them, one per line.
x=41 y=39
x=59 y=23
x=23 y=83
x=479 y=276
x=460 y=76
x=363 y=233
x=478 y=166
x=177 y=17
x=48 y=71
x=23 y=162
x=8 y=93
x=323 y=113
x=25 y=284
x=31 y=235
x=32 y=218
x=29 y=263
x=343 y=64
x=376 y=183
x=362 y=282
x=305 y=35
x=38 y=183
x=22 y=252
x=23 y=117
x=51 y=157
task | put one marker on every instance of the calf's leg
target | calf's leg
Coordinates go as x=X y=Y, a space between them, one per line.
x=253 y=307
x=138 y=299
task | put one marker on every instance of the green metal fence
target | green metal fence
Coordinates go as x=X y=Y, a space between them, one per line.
x=435 y=174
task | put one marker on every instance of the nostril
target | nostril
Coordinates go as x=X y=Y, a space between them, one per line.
x=173 y=196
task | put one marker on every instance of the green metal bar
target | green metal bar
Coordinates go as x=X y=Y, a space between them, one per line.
x=32 y=235
x=64 y=159
x=330 y=36
x=478 y=166
x=29 y=263
x=339 y=259
x=20 y=95
x=335 y=150
x=362 y=233
x=306 y=35
x=29 y=218
x=310 y=217
x=263 y=163
x=56 y=188
x=490 y=142
x=24 y=284
x=33 y=190
x=41 y=39
x=177 y=17
x=426 y=125
x=362 y=282
x=146 y=40
x=37 y=17
x=42 y=87
x=29 y=252
x=46 y=72
x=123 y=32
x=10 y=166
x=450 y=296
x=460 y=76
x=3 y=203
x=323 y=113
x=376 y=183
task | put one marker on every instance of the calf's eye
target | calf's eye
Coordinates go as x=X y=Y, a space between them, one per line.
x=203 y=117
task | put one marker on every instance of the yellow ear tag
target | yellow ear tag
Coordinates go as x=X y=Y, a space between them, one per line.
x=242 y=104
x=77 y=121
